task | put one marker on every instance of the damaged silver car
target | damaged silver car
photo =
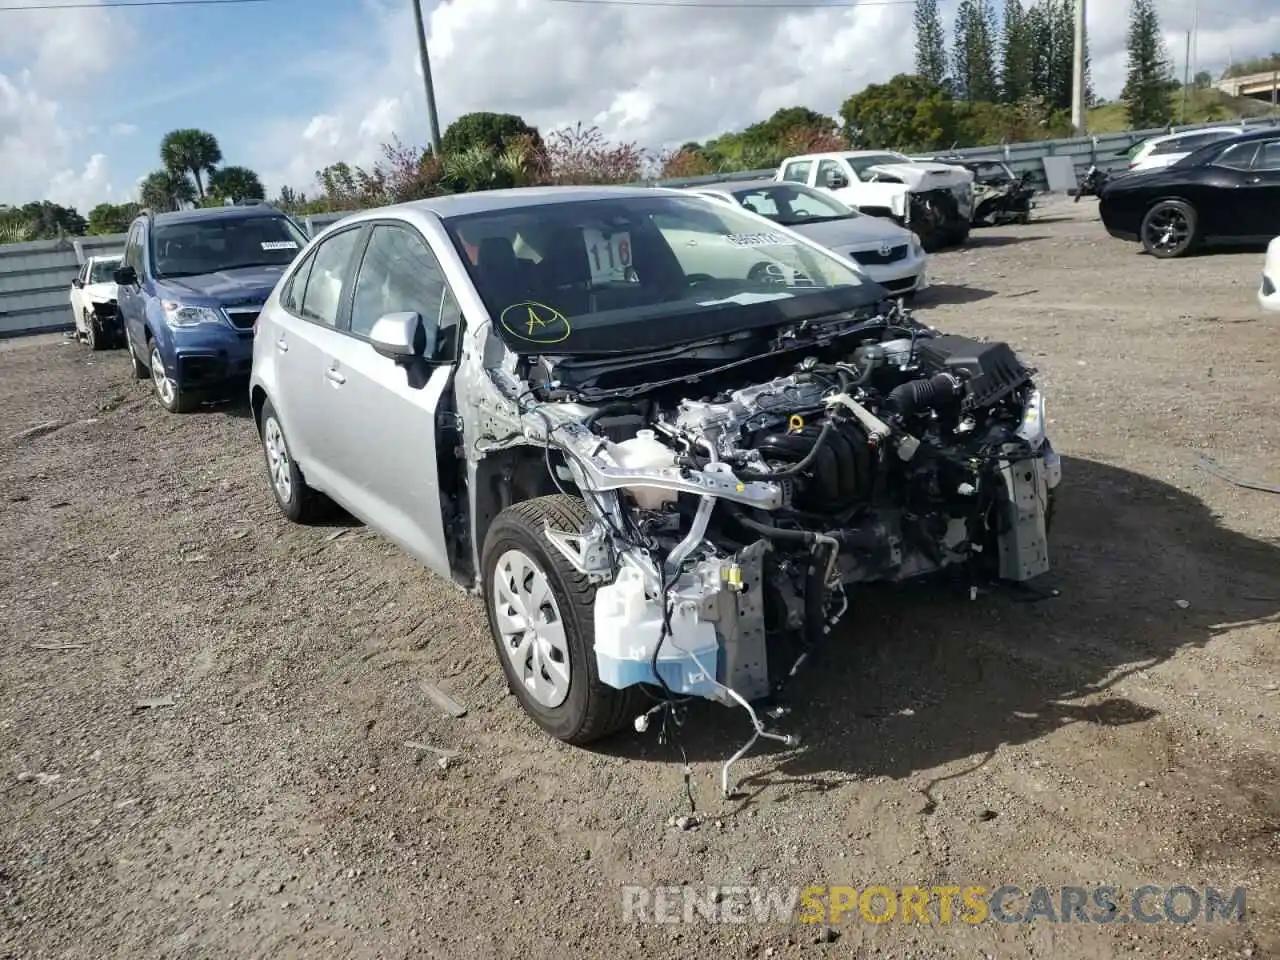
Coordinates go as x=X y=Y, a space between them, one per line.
x=664 y=438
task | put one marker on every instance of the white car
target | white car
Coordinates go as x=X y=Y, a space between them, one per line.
x=1269 y=291
x=93 y=303
x=1156 y=152
x=933 y=199
x=890 y=255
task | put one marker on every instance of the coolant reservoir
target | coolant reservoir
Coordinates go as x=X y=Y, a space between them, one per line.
x=645 y=451
x=628 y=626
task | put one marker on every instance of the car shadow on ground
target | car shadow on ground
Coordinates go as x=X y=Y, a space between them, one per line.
x=237 y=407
x=920 y=676
x=986 y=241
x=937 y=294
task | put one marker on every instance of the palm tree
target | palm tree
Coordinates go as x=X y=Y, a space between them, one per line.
x=166 y=190
x=236 y=183
x=191 y=151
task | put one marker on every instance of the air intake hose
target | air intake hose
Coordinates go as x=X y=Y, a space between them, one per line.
x=916 y=395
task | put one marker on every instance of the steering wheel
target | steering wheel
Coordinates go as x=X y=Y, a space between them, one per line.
x=765 y=272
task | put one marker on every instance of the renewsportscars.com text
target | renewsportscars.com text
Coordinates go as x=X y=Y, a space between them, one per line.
x=971 y=904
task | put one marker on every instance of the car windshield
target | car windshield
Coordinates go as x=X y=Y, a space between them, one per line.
x=584 y=265
x=861 y=162
x=103 y=271
x=198 y=247
x=790 y=204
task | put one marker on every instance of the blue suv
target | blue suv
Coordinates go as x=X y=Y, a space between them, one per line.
x=189 y=289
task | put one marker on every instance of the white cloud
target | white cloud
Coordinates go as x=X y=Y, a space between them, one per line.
x=662 y=76
x=48 y=62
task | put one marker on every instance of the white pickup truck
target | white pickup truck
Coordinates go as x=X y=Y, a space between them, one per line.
x=933 y=199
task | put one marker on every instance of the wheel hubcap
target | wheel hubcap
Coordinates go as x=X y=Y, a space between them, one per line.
x=278 y=459
x=530 y=629
x=165 y=388
x=1168 y=230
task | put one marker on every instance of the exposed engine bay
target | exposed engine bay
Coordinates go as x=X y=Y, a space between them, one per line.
x=735 y=511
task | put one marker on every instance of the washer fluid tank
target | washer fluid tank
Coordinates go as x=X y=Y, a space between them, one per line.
x=645 y=451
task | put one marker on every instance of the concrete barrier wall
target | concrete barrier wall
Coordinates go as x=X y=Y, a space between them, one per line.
x=35 y=280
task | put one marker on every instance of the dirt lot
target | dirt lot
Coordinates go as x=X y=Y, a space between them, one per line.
x=1124 y=733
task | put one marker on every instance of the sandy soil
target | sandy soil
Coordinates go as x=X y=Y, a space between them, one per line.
x=1126 y=732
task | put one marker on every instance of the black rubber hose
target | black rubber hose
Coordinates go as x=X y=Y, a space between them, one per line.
x=917 y=395
x=773 y=533
x=795 y=468
x=609 y=409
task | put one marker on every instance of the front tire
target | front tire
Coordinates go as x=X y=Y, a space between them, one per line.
x=166 y=388
x=93 y=332
x=1169 y=229
x=297 y=501
x=541 y=617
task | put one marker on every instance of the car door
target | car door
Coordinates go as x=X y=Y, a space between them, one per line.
x=78 y=298
x=1223 y=195
x=306 y=338
x=1264 y=184
x=129 y=303
x=385 y=425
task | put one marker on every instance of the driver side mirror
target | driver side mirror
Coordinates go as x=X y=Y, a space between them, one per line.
x=836 y=180
x=77 y=283
x=125 y=276
x=404 y=336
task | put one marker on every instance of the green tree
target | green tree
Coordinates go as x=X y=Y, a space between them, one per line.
x=164 y=190
x=1203 y=80
x=491 y=131
x=43 y=220
x=907 y=113
x=1150 y=72
x=108 y=218
x=236 y=183
x=931 y=42
x=974 y=52
x=1017 y=53
x=190 y=151
x=1259 y=65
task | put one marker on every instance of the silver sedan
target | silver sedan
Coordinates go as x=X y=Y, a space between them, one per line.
x=890 y=255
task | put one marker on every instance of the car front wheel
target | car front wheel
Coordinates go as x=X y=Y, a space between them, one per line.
x=166 y=387
x=1169 y=229
x=541 y=617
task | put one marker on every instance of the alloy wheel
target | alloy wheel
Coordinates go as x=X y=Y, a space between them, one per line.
x=278 y=462
x=166 y=389
x=1168 y=230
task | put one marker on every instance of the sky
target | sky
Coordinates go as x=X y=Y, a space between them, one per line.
x=289 y=86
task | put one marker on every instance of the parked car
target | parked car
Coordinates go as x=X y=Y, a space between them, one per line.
x=93 y=303
x=890 y=255
x=596 y=416
x=1156 y=152
x=190 y=286
x=1225 y=192
x=933 y=199
x=1269 y=290
x=999 y=194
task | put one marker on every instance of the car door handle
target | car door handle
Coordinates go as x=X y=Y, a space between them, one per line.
x=335 y=376
x=282 y=346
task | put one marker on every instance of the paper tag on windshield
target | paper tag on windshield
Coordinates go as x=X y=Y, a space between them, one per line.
x=279 y=245
x=760 y=240
x=609 y=257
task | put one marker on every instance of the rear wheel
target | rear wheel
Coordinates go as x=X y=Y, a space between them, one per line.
x=1169 y=229
x=541 y=617
x=297 y=501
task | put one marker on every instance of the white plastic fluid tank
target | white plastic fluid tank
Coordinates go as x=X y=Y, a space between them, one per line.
x=628 y=627
x=645 y=451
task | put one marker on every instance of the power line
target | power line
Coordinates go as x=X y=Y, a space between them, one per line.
x=128 y=3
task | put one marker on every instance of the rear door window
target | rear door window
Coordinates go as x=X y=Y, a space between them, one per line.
x=327 y=281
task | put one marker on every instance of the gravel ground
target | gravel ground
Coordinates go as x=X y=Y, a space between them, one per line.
x=1126 y=732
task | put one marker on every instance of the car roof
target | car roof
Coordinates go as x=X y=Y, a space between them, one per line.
x=1191 y=133
x=762 y=183
x=513 y=198
x=201 y=214
x=104 y=257
x=836 y=154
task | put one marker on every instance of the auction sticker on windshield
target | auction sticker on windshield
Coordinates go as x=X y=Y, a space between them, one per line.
x=768 y=239
x=610 y=256
x=535 y=322
x=279 y=245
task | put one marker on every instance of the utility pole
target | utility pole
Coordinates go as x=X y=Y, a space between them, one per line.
x=432 y=117
x=1186 y=76
x=1077 y=74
